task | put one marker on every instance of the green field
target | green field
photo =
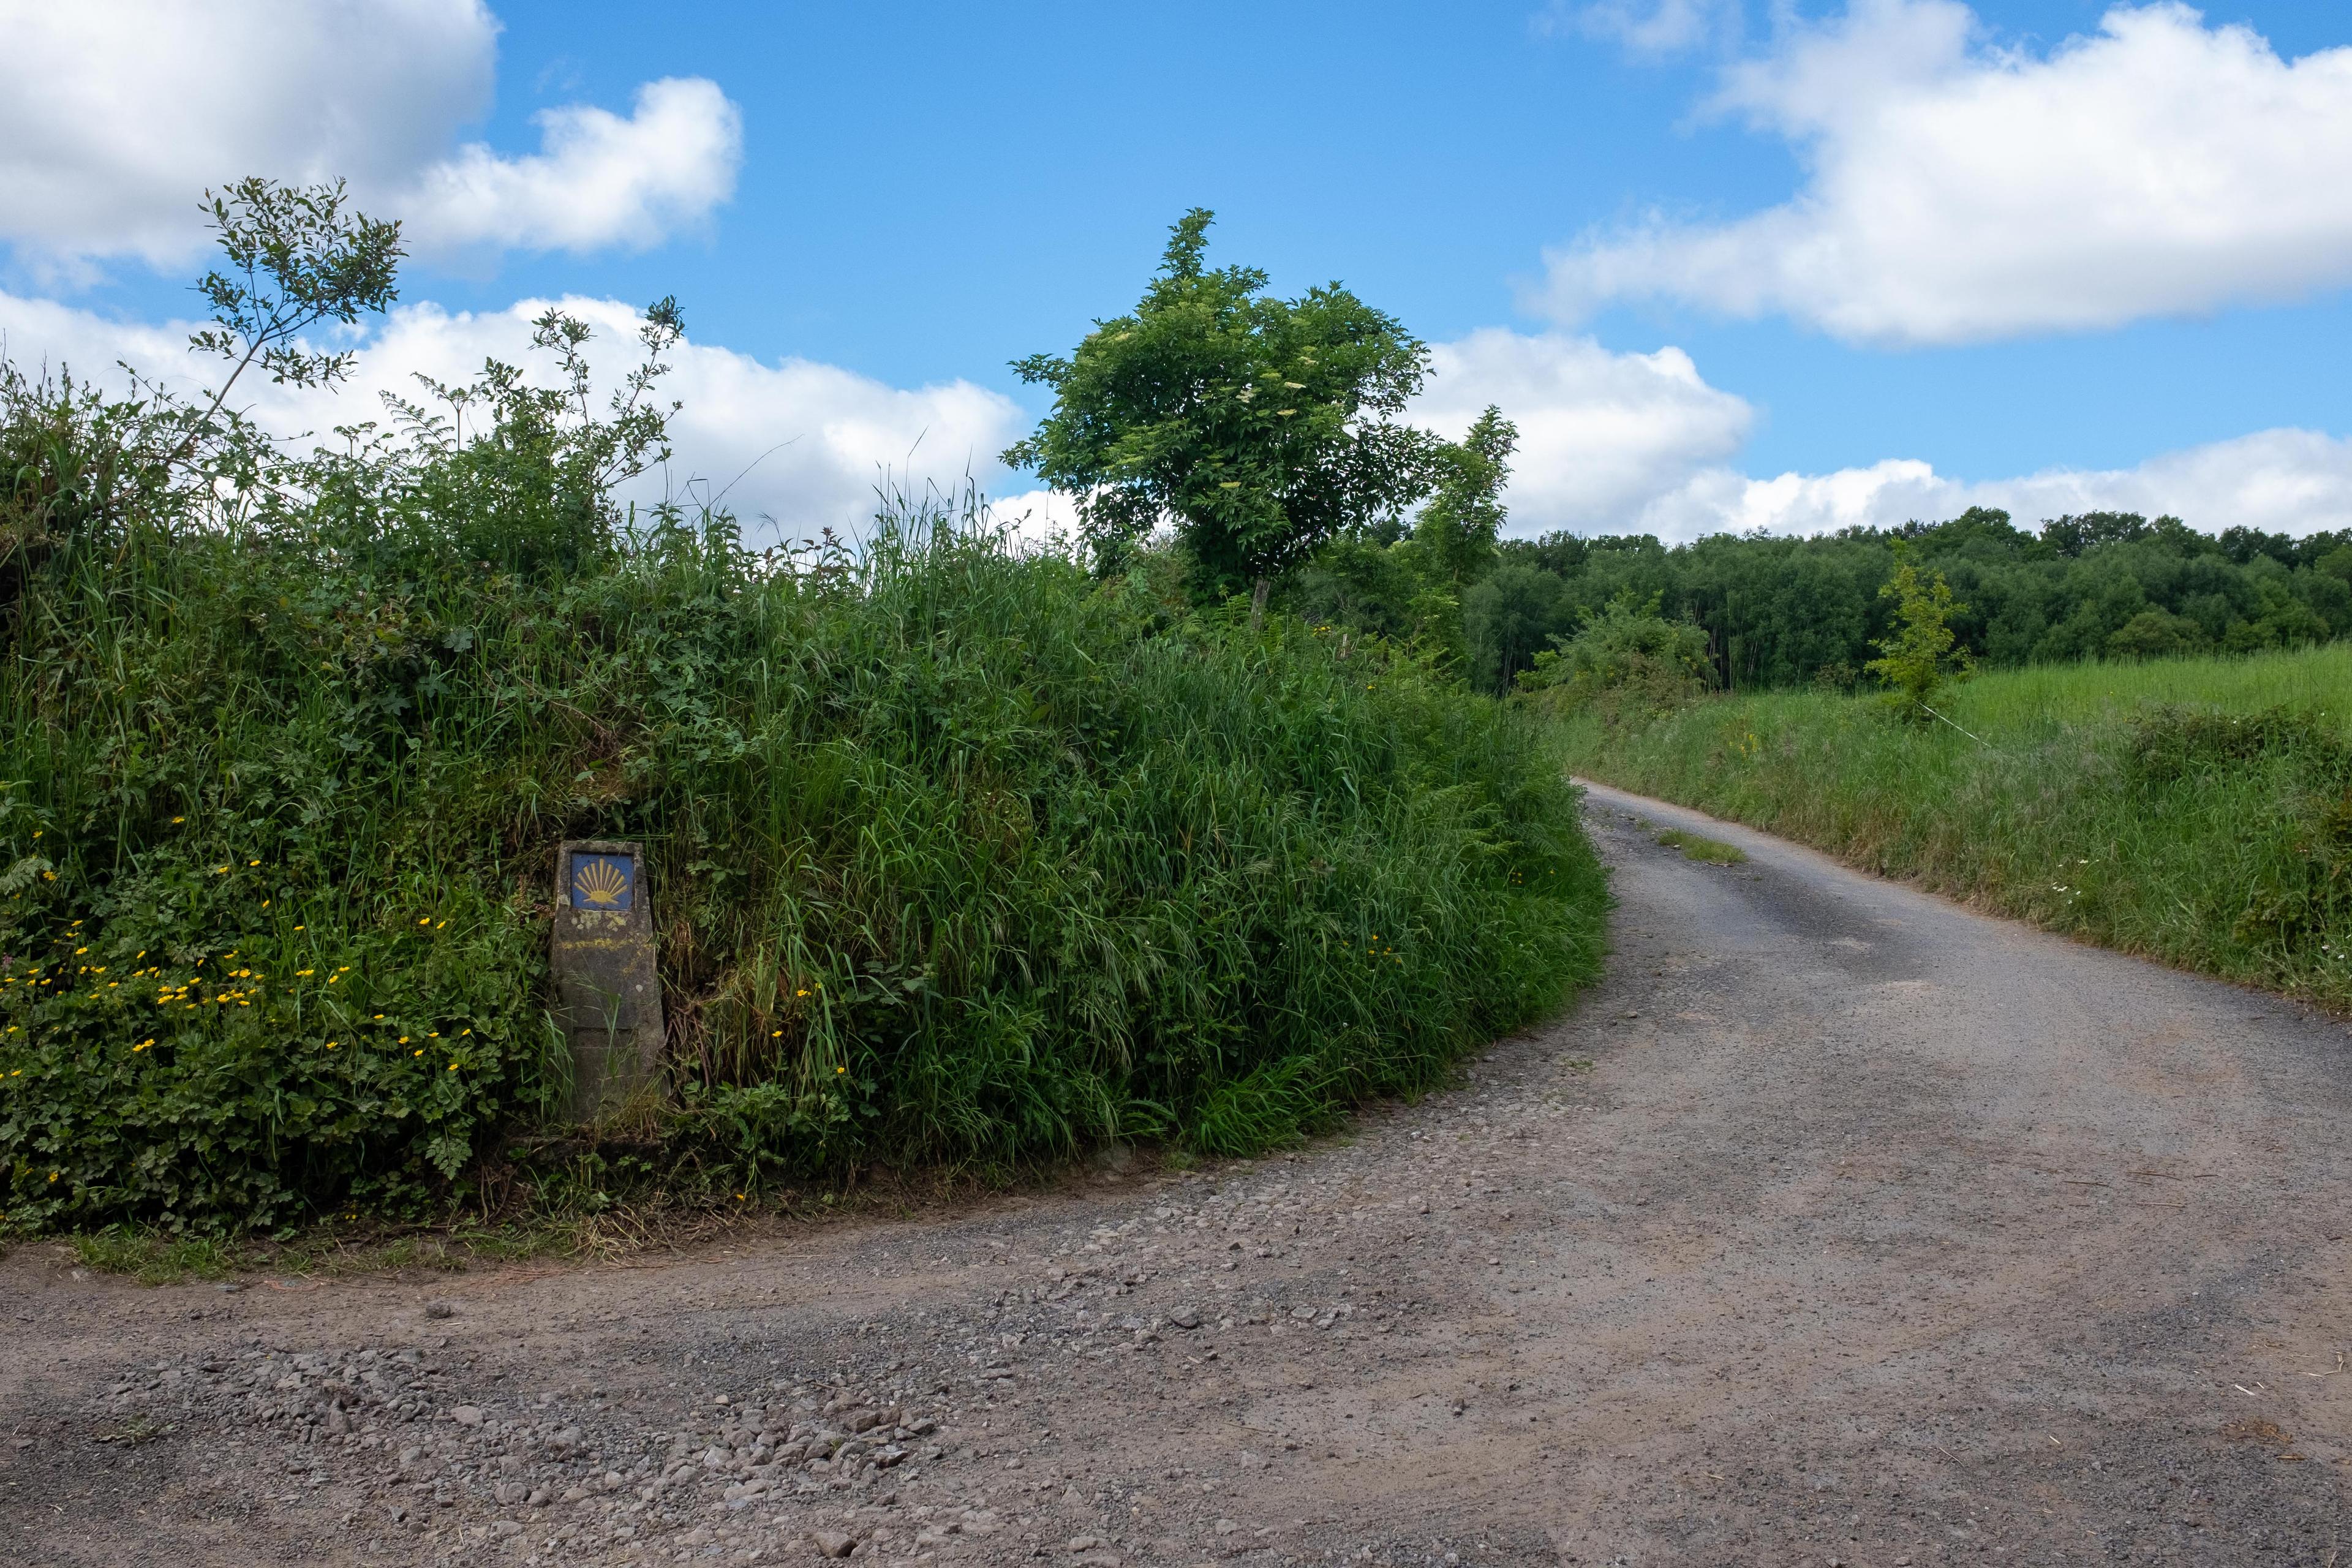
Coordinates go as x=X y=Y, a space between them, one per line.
x=2197 y=810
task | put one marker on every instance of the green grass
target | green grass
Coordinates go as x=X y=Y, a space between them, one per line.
x=2197 y=810
x=2037 y=698
x=156 y=1258
x=1713 y=851
x=151 y=1255
x=959 y=856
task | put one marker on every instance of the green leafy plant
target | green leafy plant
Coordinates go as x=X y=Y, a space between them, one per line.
x=1258 y=427
x=1625 y=658
x=294 y=260
x=1918 y=661
x=1455 y=533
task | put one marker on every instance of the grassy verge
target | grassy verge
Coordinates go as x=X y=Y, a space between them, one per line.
x=153 y=1256
x=1712 y=851
x=2197 y=810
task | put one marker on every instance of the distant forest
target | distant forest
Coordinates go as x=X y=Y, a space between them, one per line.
x=1789 y=612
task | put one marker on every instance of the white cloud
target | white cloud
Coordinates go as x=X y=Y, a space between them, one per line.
x=803 y=446
x=120 y=113
x=1609 y=443
x=1600 y=433
x=602 y=181
x=1655 y=27
x=1957 y=192
x=2281 y=481
x=1630 y=443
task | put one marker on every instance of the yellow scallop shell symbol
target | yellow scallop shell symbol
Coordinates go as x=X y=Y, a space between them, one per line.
x=600 y=882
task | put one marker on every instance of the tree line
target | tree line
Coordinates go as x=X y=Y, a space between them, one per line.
x=1793 y=611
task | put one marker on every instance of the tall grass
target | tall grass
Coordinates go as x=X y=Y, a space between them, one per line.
x=957 y=854
x=2198 y=811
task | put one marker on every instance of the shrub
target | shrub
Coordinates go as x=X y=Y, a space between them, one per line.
x=2156 y=634
x=1625 y=657
x=1917 y=660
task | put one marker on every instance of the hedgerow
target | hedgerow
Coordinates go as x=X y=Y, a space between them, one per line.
x=957 y=853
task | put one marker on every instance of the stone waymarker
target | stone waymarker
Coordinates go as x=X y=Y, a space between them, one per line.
x=606 y=996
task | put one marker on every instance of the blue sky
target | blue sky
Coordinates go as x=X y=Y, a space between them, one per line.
x=917 y=193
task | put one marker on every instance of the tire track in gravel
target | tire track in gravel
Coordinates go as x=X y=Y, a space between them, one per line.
x=1839 y=1225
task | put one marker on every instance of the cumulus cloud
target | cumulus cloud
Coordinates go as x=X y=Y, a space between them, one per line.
x=793 y=445
x=119 y=112
x=1957 y=190
x=1639 y=443
x=602 y=180
x=2281 y=481
x=1600 y=432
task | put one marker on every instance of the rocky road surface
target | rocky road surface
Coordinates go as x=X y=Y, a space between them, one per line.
x=1840 y=1226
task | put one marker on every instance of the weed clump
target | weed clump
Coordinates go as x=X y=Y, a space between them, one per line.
x=2298 y=764
x=2170 y=741
x=1696 y=846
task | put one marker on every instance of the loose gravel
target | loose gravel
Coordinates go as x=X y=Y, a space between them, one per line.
x=1840 y=1226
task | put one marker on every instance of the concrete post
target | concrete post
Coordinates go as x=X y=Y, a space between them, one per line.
x=606 y=996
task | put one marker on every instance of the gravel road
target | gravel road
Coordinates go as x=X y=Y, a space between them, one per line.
x=1840 y=1226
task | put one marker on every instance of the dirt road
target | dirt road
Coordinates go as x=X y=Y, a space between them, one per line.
x=1840 y=1226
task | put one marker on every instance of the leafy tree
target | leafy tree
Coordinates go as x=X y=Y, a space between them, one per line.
x=1456 y=531
x=2075 y=535
x=1360 y=581
x=2156 y=634
x=1917 y=661
x=75 y=464
x=1507 y=618
x=1258 y=427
